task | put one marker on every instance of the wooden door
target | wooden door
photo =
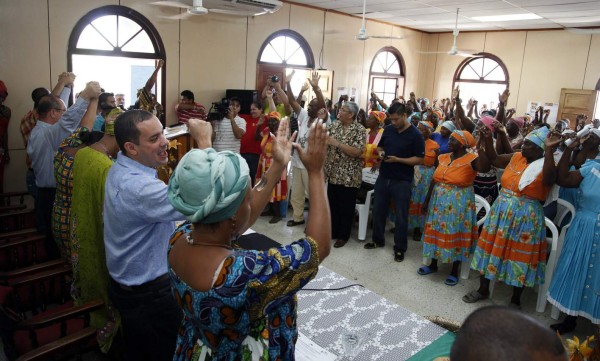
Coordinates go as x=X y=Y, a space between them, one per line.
x=577 y=101
x=264 y=72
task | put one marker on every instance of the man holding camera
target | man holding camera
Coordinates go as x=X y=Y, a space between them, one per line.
x=228 y=132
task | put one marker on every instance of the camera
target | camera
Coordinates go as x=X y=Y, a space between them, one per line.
x=218 y=110
x=274 y=78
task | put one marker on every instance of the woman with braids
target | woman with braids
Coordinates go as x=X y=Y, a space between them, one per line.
x=241 y=304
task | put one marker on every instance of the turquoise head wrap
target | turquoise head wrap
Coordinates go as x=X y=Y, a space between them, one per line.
x=449 y=125
x=207 y=186
x=538 y=136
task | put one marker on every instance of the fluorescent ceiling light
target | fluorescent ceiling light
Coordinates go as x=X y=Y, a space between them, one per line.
x=510 y=17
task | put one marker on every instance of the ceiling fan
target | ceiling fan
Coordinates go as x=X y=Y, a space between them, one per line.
x=217 y=7
x=195 y=9
x=362 y=33
x=454 y=50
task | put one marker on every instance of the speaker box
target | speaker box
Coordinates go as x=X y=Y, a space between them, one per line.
x=246 y=98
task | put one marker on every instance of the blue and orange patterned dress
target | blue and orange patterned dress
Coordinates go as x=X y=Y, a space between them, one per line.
x=512 y=243
x=61 y=212
x=250 y=312
x=451 y=224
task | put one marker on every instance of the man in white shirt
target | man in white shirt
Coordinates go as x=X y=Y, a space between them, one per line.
x=229 y=131
x=299 y=174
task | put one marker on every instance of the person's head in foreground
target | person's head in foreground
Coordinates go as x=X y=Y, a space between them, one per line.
x=498 y=333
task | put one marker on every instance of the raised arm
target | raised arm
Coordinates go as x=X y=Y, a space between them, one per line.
x=319 y=223
x=294 y=104
x=314 y=82
x=549 y=171
x=502 y=100
x=152 y=80
x=566 y=178
x=502 y=143
x=498 y=161
x=282 y=152
x=269 y=95
x=284 y=99
x=303 y=89
x=460 y=115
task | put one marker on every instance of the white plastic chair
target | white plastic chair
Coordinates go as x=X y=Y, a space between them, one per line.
x=564 y=209
x=553 y=245
x=480 y=203
x=363 y=209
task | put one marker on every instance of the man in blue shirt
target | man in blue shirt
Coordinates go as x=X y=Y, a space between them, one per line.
x=55 y=123
x=138 y=222
x=401 y=148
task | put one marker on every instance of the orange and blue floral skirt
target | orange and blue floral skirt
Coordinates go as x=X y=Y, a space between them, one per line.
x=451 y=224
x=512 y=244
x=416 y=217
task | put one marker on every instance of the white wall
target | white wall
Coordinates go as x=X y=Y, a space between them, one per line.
x=208 y=54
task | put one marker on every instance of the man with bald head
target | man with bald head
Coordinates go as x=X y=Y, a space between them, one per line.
x=54 y=124
x=498 y=333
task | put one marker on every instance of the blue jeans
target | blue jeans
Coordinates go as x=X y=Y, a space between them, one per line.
x=399 y=192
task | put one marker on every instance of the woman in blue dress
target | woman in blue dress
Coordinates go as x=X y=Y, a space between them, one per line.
x=575 y=288
x=241 y=304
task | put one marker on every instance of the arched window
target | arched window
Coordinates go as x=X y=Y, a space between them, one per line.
x=386 y=77
x=481 y=78
x=287 y=48
x=120 y=46
x=284 y=49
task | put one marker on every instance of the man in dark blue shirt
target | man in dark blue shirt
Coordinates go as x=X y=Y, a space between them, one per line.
x=401 y=148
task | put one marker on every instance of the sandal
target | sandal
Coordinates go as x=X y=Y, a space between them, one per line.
x=425 y=270
x=474 y=296
x=292 y=223
x=451 y=281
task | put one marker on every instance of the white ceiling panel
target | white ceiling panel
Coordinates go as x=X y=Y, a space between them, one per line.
x=439 y=15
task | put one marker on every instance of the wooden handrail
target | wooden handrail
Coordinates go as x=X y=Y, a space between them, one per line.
x=60 y=345
x=62 y=315
x=23 y=271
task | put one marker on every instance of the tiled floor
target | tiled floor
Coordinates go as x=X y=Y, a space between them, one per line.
x=400 y=283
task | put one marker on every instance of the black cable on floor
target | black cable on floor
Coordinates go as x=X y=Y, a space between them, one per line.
x=332 y=289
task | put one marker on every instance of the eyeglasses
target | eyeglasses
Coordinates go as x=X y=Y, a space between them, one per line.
x=60 y=109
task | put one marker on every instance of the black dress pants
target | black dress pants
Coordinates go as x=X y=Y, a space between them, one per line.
x=150 y=318
x=342 y=202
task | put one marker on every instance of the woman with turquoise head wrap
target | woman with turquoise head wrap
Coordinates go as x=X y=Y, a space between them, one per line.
x=512 y=244
x=241 y=304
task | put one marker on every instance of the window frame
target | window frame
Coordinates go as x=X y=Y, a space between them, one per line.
x=310 y=60
x=466 y=62
x=398 y=77
x=138 y=18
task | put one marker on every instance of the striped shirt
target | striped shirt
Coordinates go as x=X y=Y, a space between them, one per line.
x=224 y=137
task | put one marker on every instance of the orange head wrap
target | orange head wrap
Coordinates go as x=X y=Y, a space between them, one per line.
x=274 y=115
x=380 y=116
x=464 y=137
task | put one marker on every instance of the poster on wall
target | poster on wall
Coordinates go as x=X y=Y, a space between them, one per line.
x=341 y=90
x=532 y=106
x=352 y=93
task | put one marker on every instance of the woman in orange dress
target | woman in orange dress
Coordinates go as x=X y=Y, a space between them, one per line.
x=422 y=180
x=280 y=191
x=374 y=131
x=512 y=244
x=451 y=225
